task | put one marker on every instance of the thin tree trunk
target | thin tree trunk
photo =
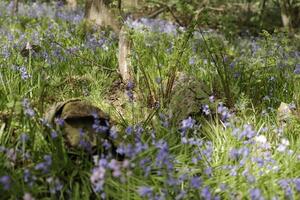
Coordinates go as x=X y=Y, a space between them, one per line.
x=15 y=7
x=124 y=57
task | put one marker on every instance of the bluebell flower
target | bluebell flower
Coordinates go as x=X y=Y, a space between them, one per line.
x=283 y=146
x=208 y=171
x=55 y=185
x=285 y=185
x=196 y=182
x=181 y=195
x=113 y=132
x=100 y=128
x=139 y=147
x=130 y=85
x=297 y=184
x=59 y=121
x=138 y=130
x=115 y=166
x=121 y=149
x=27 y=108
x=192 y=61
x=44 y=166
x=247 y=132
x=237 y=154
x=24 y=137
x=98 y=178
x=128 y=150
x=129 y=130
x=171 y=181
x=24 y=73
x=28 y=177
x=11 y=154
x=250 y=178
x=158 y=80
x=234 y=154
x=260 y=161
x=205 y=109
x=5 y=181
x=236 y=75
x=223 y=186
x=187 y=123
x=224 y=112
x=208 y=150
x=233 y=171
x=164 y=120
x=206 y=194
x=145 y=191
x=297 y=69
x=145 y=164
x=255 y=194
x=182 y=178
x=86 y=145
x=53 y=134
x=163 y=158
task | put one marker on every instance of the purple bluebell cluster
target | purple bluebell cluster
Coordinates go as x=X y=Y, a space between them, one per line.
x=59 y=121
x=24 y=137
x=29 y=178
x=5 y=181
x=44 y=166
x=99 y=41
x=98 y=176
x=27 y=108
x=255 y=194
x=145 y=191
x=104 y=167
x=154 y=25
x=55 y=185
x=23 y=72
x=224 y=112
x=99 y=125
x=129 y=90
x=46 y=10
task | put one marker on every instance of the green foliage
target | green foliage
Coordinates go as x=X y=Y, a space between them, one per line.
x=237 y=151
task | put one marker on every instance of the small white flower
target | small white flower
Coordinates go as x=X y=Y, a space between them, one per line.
x=27 y=196
x=275 y=168
x=285 y=142
x=261 y=139
x=95 y=159
x=28 y=46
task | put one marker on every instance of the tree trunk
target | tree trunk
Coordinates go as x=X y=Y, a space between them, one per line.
x=98 y=12
x=71 y=4
x=15 y=7
x=285 y=14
